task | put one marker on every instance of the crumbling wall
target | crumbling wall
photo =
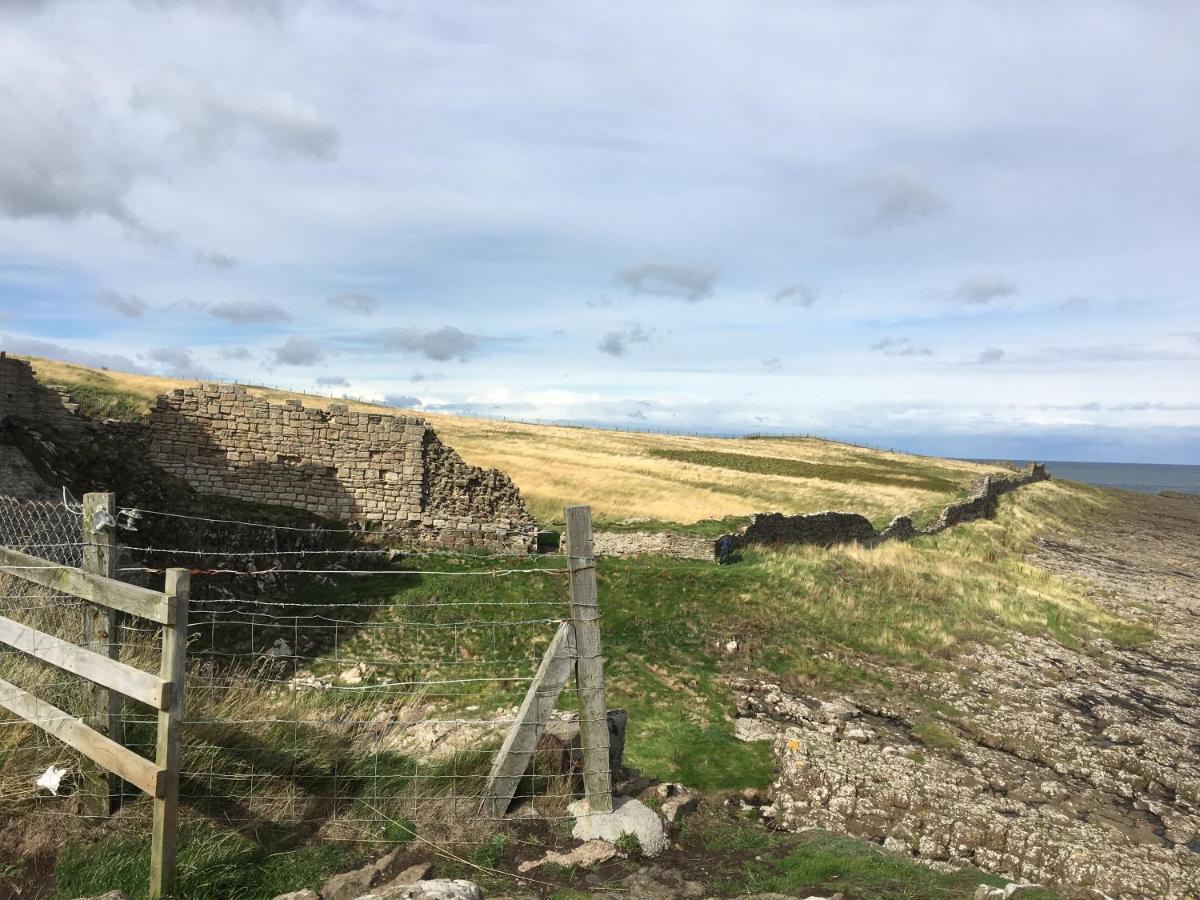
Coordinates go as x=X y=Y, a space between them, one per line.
x=387 y=472
x=658 y=543
x=23 y=397
x=824 y=529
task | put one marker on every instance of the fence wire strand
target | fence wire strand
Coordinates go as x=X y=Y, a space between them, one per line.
x=350 y=709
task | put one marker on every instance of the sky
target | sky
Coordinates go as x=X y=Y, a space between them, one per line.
x=967 y=229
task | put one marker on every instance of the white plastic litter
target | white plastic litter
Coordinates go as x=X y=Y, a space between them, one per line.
x=51 y=779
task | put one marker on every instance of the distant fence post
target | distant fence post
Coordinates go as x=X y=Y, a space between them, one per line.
x=165 y=832
x=589 y=667
x=101 y=626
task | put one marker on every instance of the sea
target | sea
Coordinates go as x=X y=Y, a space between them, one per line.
x=1146 y=478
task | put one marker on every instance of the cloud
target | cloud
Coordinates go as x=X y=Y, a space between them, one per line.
x=247 y=312
x=990 y=355
x=404 y=401
x=364 y=304
x=299 y=351
x=333 y=381
x=618 y=343
x=438 y=344
x=209 y=119
x=61 y=157
x=215 y=259
x=24 y=346
x=688 y=283
x=797 y=294
x=889 y=346
x=418 y=377
x=178 y=362
x=984 y=289
x=773 y=364
x=892 y=201
x=131 y=306
x=237 y=353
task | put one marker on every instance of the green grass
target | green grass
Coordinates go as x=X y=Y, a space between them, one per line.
x=822 y=863
x=213 y=862
x=878 y=471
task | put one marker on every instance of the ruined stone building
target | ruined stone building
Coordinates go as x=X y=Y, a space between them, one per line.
x=385 y=472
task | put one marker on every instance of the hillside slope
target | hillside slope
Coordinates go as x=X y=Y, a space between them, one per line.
x=666 y=478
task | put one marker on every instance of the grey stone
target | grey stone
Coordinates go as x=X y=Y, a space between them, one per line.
x=432 y=889
x=629 y=816
x=305 y=894
x=352 y=885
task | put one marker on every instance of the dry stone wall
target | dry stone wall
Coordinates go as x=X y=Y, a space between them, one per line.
x=386 y=472
x=22 y=396
x=823 y=529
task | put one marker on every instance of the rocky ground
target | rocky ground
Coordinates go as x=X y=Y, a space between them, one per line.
x=1066 y=766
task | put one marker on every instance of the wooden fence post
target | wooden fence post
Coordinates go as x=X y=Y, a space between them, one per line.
x=101 y=634
x=166 y=805
x=589 y=667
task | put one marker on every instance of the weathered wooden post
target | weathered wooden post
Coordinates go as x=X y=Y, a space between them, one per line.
x=589 y=666
x=101 y=634
x=165 y=832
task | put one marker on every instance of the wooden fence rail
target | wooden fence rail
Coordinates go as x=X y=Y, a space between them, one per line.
x=111 y=680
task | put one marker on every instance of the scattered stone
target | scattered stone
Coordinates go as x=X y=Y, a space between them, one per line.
x=858 y=735
x=752 y=797
x=305 y=894
x=433 y=889
x=355 y=674
x=677 y=801
x=353 y=884
x=629 y=816
x=586 y=855
x=987 y=892
x=659 y=883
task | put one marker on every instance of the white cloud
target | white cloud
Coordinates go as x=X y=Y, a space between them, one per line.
x=247 y=312
x=131 y=306
x=438 y=344
x=894 y=200
x=299 y=351
x=209 y=118
x=362 y=304
x=796 y=294
x=619 y=343
x=984 y=289
x=688 y=283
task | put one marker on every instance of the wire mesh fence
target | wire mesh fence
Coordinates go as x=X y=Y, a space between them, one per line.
x=350 y=694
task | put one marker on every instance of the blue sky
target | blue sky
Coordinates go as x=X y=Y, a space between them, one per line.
x=955 y=228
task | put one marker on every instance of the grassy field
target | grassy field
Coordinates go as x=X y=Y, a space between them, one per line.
x=664 y=478
x=823 y=621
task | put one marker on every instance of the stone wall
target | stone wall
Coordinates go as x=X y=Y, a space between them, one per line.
x=16 y=394
x=657 y=543
x=823 y=529
x=387 y=472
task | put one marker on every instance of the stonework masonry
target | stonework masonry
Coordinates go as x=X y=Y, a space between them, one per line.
x=386 y=472
x=824 y=529
x=22 y=396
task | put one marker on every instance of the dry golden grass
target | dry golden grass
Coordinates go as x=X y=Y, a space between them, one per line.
x=617 y=473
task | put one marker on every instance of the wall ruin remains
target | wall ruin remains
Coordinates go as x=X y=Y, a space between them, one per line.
x=387 y=472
